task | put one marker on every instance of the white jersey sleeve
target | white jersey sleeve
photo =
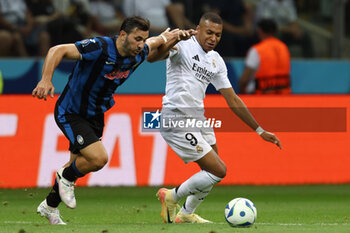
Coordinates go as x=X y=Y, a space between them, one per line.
x=221 y=80
x=174 y=53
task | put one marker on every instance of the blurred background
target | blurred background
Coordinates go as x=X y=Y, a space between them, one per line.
x=30 y=27
x=317 y=33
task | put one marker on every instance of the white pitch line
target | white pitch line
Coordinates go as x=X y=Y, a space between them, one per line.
x=303 y=224
x=295 y=224
x=19 y=222
x=219 y=223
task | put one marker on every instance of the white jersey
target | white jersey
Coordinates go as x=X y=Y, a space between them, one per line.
x=189 y=71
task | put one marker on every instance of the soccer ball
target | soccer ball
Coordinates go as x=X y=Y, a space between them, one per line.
x=240 y=212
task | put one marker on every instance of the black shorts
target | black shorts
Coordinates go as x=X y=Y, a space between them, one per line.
x=80 y=131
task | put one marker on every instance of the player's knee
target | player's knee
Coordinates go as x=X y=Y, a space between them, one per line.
x=100 y=161
x=222 y=171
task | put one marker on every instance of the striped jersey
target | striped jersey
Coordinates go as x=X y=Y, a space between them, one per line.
x=96 y=76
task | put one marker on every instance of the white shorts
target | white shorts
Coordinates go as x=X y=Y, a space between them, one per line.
x=189 y=145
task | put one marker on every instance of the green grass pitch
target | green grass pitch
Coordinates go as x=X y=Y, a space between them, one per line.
x=281 y=209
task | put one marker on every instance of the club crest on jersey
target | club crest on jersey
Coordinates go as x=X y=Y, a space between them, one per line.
x=199 y=149
x=117 y=75
x=87 y=41
x=80 y=139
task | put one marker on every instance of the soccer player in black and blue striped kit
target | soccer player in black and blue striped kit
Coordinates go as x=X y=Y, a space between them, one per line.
x=103 y=64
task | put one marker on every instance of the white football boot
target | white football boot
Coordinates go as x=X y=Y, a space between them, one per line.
x=66 y=190
x=52 y=214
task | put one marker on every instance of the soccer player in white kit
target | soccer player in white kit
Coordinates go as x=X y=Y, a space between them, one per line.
x=191 y=66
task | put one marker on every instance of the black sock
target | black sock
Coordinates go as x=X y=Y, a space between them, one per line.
x=53 y=199
x=69 y=173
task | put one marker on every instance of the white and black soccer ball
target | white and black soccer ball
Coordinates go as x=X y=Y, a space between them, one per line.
x=240 y=212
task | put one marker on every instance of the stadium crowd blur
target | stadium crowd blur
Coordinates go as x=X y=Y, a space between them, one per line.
x=31 y=27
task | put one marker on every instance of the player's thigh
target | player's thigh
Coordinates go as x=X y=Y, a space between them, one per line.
x=94 y=151
x=215 y=148
x=79 y=131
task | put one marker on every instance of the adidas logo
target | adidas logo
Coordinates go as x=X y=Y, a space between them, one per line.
x=196 y=58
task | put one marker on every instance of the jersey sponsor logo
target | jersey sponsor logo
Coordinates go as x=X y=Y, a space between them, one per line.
x=110 y=63
x=196 y=58
x=117 y=75
x=202 y=73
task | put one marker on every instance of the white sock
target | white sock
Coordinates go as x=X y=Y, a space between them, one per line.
x=193 y=201
x=196 y=183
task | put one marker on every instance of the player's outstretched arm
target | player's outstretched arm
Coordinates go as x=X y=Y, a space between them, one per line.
x=239 y=108
x=167 y=39
x=53 y=58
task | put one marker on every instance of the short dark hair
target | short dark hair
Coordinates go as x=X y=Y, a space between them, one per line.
x=267 y=25
x=212 y=17
x=135 y=22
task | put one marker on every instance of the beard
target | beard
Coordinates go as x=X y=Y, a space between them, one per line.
x=128 y=48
